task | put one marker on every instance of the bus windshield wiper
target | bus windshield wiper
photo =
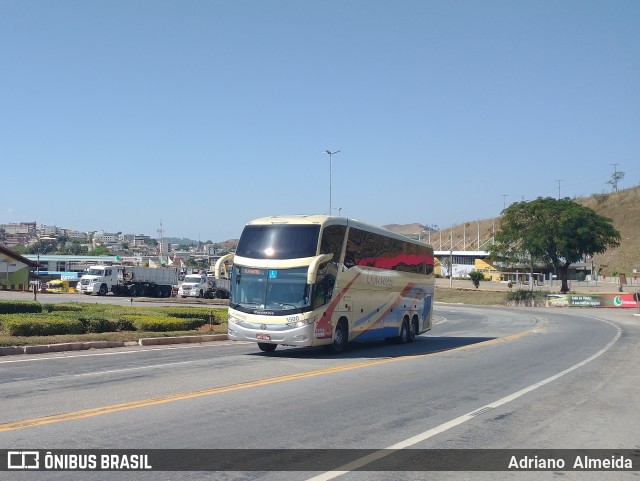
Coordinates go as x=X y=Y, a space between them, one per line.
x=282 y=304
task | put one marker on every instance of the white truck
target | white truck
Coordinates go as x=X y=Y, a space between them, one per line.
x=204 y=286
x=129 y=281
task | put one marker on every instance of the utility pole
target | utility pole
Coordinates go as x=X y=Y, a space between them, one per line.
x=161 y=235
x=558 y=181
x=615 y=177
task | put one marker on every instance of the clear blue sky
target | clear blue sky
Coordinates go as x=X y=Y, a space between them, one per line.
x=117 y=114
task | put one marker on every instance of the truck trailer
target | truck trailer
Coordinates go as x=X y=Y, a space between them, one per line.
x=129 y=281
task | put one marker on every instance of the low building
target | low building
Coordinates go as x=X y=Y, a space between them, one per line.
x=14 y=270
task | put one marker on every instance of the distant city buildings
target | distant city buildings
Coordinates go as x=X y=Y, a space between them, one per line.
x=28 y=234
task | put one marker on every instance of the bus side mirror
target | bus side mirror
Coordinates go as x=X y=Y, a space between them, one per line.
x=312 y=274
x=220 y=262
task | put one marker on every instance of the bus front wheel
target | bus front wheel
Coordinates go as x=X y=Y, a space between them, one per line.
x=339 y=339
x=266 y=347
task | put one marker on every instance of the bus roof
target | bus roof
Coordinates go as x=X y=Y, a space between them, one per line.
x=330 y=220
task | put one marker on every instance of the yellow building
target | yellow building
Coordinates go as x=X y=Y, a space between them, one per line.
x=489 y=271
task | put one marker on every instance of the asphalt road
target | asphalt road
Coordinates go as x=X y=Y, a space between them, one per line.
x=483 y=378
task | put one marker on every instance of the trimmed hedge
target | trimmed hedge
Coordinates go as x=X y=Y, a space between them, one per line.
x=188 y=313
x=19 y=307
x=164 y=324
x=81 y=318
x=98 y=325
x=35 y=325
x=61 y=308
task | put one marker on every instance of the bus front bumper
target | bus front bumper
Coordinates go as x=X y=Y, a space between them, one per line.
x=275 y=334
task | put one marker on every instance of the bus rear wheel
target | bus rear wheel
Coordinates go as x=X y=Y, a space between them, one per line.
x=403 y=338
x=266 y=347
x=413 y=331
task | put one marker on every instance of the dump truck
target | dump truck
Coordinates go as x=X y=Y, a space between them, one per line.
x=129 y=281
x=204 y=286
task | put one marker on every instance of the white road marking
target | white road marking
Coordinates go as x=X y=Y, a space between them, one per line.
x=112 y=353
x=358 y=463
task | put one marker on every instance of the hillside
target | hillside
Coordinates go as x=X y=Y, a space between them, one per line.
x=622 y=207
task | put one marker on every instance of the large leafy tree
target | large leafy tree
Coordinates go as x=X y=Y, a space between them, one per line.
x=559 y=232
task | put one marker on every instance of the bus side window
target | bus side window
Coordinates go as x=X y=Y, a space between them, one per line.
x=324 y=290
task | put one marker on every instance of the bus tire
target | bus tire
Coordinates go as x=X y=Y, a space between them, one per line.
x=339 y=338
x=267 y=347
x=403 y=338
x=413 y=330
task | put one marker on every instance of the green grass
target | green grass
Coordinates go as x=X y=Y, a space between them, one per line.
x=471 y=296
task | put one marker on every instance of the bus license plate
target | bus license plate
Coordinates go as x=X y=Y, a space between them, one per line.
x=264 y=337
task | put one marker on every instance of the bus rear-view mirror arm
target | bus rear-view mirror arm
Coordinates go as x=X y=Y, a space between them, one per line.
x=312 y=274
x=220 y=262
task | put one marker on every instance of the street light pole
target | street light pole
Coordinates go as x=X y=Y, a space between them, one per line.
x=330 y=154
x=35 y=284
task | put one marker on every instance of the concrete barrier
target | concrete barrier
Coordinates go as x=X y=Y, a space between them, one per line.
x=11 y=350
x=36 y=349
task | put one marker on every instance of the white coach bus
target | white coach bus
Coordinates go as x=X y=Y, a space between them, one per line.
x=319 y=280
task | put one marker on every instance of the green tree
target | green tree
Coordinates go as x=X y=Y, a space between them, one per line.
x=558 y=232
x=100 y=251
x=41 y=247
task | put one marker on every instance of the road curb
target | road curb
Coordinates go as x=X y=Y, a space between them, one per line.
x=84 y=346
x=161 y=341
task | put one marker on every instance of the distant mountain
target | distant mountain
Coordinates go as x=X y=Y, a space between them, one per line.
x=181 y=241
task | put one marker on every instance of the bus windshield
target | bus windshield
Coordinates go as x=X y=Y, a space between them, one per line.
x=270 y=289
x=278 y=241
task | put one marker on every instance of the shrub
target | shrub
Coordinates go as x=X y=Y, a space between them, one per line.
x=125 y=325
x=522 y=297
x=476 y=277
x=19 y=307
x=34 y=325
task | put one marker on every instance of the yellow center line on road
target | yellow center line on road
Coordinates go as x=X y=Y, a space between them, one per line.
x=99 y=411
